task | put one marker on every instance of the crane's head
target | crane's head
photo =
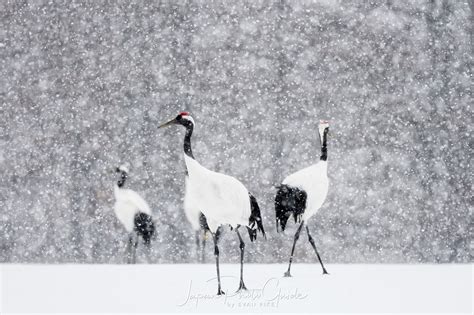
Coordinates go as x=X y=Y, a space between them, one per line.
x=183 y=118
x=323 y=128
x=123 y=171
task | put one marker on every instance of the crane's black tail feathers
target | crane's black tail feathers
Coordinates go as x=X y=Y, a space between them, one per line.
x=203 y=222
x=289 y=201
x=255 y=220
x=218 y=233
x=144 y=227
x=205 y=227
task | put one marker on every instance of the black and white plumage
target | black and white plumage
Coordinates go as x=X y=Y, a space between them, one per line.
x=134 y=214
x=221 y=198
x=302 y=194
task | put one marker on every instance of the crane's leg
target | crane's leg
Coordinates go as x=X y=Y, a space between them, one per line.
x=203 y=247
x=242 y=248
x=204 y=240
x=297 y=236
x=216 y=253
x=149 y=252
x=134 y=248
x=129 y=249
x=197 y=245
x=310 y=239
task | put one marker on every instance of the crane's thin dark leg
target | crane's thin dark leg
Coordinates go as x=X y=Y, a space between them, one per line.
x=242 y=249
x=148 y=253
x=297 y=236
x=216 y=253
x=197 y=245
x=310 y=239
x=203 y=247
x=129 y=249
x=135 y=244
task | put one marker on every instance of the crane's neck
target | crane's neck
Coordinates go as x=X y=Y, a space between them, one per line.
x=123 y=178
x=187 y=140
x=324 y=148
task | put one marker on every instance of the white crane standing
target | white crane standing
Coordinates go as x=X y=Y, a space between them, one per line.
x=302 y=194
x=221 y=198
x=134 y=214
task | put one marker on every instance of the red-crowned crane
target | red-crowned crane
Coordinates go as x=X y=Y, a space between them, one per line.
x=221 y=198
x=134 y=214
x=302 y=194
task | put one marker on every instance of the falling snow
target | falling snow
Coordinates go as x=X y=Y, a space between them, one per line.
x=84 y=86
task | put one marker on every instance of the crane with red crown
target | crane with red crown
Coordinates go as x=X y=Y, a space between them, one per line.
x=221 y=198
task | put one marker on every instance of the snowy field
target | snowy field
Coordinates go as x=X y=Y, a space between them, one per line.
x=191 y=288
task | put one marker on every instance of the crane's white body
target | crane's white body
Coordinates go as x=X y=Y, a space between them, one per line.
x=221 y=198
x=191 y=211
x=314 y=181
x=127 y=204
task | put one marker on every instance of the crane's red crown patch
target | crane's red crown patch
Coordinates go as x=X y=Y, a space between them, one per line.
x=184 y=113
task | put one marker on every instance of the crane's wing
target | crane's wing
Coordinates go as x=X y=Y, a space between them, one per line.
x=191 y=211
x=134 y=198
x=220 y=197
x=306 y=177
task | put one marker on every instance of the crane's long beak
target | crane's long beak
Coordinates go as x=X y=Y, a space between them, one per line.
x=172 y=121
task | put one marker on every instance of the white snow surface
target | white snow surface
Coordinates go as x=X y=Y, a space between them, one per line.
x=192 y=288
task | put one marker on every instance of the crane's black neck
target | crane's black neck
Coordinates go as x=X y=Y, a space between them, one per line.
x=324 y=148
x=187 y=140
x=123 y=178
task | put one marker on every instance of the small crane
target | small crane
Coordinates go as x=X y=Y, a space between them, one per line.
x=302 y=194
x=134 y=214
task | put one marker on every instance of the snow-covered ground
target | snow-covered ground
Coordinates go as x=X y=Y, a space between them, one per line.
x=192 y=288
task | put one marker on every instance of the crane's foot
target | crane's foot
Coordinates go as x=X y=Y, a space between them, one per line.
x=220 y=292
x=325 y=272
x=287 y=274
x=241 y=286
